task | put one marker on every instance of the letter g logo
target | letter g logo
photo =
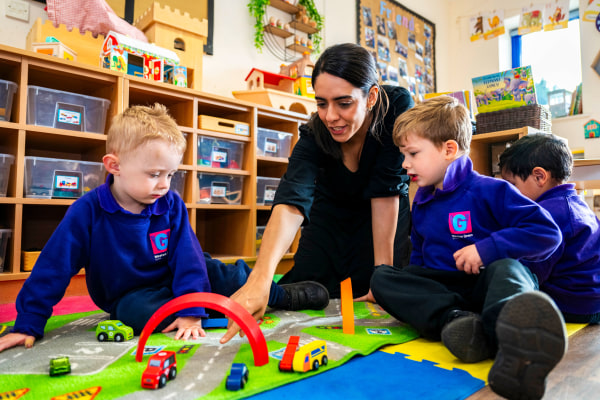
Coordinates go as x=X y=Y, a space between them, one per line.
x=460 y=222
x=160 y=241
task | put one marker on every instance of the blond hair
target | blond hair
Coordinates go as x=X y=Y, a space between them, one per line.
x=438 y=119
x=140 y=124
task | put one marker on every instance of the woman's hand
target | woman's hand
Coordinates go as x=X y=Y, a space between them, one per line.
x=367 y=297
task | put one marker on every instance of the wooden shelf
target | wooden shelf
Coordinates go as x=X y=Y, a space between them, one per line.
x=284 y=6
x=33 y=220
x=299 y=48
x=303 y=27
x=278 y=31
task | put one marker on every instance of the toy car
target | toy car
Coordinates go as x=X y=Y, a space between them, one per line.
x=238 y=376
x=113 y=329
x=288 y=356
x=161 y=368
x=310 y=356
x=60 y=366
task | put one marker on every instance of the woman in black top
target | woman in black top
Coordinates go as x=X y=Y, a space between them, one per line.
x=344 y=182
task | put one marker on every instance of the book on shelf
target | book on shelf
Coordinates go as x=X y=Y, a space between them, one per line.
x=507 y=89
x=464 y=97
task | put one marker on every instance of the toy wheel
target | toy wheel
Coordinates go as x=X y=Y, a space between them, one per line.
x=102 y=337
x=324 y=360
x=243 y=382
x=281 y=369
x=316 y=365
x=119 y=337
x=162 y=381
x=172 y=373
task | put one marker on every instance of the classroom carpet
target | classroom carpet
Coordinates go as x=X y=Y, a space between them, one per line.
x=384 y=358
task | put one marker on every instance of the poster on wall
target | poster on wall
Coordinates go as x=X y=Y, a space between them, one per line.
x=531 y=19
x=494 y=24
x=556 y=15
x=402 y=43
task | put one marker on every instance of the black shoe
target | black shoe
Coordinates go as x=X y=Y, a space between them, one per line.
x=307 y=295
x=464 y=337
x=532 y=339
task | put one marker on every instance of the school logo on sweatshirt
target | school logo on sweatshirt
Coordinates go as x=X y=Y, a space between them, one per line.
x=460 y=223
x=160 y=243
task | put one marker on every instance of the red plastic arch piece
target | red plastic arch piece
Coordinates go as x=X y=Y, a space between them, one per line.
x=215 y=302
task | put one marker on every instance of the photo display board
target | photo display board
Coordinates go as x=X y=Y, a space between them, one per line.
x=402 y=43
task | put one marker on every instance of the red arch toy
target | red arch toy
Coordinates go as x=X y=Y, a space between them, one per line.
x=216 y=302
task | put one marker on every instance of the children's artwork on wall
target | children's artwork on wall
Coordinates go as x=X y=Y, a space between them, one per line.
x=494 y=24
x=592 y=129
x=592 y=12
x=530 y=19
x=476 y=27
x=556 y=15
x=408 y=35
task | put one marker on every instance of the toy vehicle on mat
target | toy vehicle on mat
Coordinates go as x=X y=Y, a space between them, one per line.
x=60 y=366
x=288 y=356
x=161 y=368
x=238 y=377
x=310 y=356
x=113 y=329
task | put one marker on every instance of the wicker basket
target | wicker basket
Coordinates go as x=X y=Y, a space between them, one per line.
x=533 y=115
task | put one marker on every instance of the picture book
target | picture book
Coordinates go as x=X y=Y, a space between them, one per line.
x=502 y=90
x=463 y=97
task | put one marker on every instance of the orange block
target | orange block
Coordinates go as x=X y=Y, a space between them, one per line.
x=347 y=307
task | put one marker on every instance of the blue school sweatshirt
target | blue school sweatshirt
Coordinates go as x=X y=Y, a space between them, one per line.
x=571 y=276
x=120 y=251
x=480 y=210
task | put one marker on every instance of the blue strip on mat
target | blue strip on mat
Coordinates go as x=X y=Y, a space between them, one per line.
x=381 y=376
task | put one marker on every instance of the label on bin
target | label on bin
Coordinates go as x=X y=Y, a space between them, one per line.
x=218 y=189
x=219 y=155
x=270 y=146
x=242 y=129
x=270 y=194
x=69 y=117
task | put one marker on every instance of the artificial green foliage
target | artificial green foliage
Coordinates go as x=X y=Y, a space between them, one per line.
x=313 y=14
x=257 y=10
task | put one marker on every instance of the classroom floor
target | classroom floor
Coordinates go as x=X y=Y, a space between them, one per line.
x=577 y=376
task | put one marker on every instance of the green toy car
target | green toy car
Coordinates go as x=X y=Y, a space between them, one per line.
x=113 y=329
x=60 y=366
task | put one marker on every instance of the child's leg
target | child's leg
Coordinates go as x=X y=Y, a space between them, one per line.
x=420 y=296
x=136 y=307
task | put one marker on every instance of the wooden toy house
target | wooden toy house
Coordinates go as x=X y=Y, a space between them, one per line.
x=180 y=33
x=258 y=79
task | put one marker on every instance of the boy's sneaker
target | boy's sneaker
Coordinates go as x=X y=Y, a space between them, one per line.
x=464 y=337
x=307 y=295
x=532 y=339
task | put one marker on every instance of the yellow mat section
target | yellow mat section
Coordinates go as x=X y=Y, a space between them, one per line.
x=421 y=349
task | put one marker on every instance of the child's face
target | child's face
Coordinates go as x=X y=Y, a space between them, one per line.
x=528 y=187
x=425 y=162
x=145 y=175
x=341 y=106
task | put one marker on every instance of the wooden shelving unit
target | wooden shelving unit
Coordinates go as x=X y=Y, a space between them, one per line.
x=226 y=231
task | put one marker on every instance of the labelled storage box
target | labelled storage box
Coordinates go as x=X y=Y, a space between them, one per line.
x=55 y=178
x=220 y=153
x=6 y=160
x=178 y=183
x=7 y=91
x=217 y=124
x=220 y=189
x=65 y=110
x=265 y=190
x=273 y=143
x=5 y=235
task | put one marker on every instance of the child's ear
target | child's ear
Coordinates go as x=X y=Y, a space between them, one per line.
x=450 y=149
x=540 y=176
x=111 y=163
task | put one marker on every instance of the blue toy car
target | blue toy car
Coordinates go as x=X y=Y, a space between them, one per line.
x=238 y=376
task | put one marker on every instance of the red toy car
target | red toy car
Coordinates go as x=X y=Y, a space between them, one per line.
x=288 y=356
x=161 y=367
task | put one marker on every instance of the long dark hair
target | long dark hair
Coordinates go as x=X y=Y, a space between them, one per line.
x=356 y=65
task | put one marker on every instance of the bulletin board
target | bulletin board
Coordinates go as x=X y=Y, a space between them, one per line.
x=402 y=43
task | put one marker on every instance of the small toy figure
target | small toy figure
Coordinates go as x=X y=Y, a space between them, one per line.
x=60 y=366
x=238 y=377
x=161 y=367
x=113 y=330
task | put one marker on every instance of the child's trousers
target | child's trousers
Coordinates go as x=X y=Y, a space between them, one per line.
x=424 y=297
x=136 y=307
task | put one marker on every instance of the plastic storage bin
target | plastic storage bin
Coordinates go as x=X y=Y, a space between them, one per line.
x=265 y=190
x=65 y=110
x=178 y=182
x=7 y=91
x=6 y=160
x=56 y=178
x=220 y=153
x=5 y=235
x=273 y=143
x=220 y=189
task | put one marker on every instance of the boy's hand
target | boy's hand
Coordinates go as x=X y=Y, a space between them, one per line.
x=186 y=327
x=468 y=259
x=367 y=297
x=16 y=339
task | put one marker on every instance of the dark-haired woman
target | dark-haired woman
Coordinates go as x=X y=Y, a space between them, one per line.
x=344 y=183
